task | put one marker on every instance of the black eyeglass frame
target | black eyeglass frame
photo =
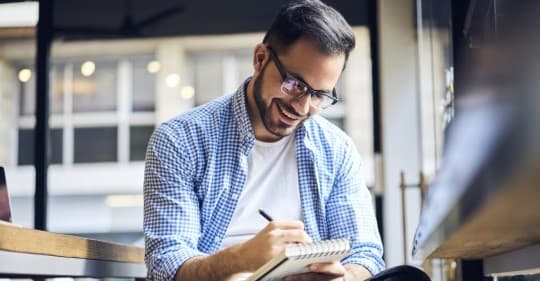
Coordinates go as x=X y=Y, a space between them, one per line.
x=309 y=90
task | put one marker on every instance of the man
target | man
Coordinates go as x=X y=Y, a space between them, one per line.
x=210 y=170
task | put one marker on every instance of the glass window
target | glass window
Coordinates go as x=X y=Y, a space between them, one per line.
x=208 y=68
x=94 y=86
x=57 y=89
x=144 y=84
x=435 y=72
x=56 y=146
x=56 y=92
x=26 y=93
x=244 y=65
x=26 y=146
x=216 y=73
x=95 y=144
x=139 y=136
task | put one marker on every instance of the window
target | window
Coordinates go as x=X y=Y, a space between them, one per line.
x=95 y=144
x=144 y=84
x=26 y=146
x=27 y=105
x=94 y=86
x=215 y=73
x=102 y=110
x=139 y=136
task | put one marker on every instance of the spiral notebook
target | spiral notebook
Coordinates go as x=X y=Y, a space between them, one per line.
x=295 y=259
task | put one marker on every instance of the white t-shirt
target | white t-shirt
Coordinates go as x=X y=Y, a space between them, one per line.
x=272 y=185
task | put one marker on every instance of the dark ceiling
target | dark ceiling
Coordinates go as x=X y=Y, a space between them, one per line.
x=84 y=19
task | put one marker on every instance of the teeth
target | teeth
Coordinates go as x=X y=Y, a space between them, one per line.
x=287 y=113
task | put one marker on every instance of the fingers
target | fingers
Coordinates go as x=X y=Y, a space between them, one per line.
x=289 y=236
x=321 y=271
x=310 y=276
x=286 y=224
x=282 y=232
x=270 y=241
x=334 y=268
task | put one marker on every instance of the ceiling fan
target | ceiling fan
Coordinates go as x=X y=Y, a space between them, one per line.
x=128 y=28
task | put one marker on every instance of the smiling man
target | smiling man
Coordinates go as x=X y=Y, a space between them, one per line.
x=209 y=171
x=275 y=115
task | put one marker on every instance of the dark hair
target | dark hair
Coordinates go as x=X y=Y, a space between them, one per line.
x=315 y=21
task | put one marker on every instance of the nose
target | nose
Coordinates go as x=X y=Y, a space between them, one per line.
x=302 y=104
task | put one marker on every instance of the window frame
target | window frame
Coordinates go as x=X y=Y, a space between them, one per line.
x=122 y=118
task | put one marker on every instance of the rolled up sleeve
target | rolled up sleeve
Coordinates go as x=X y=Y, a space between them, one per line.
x=171 y=209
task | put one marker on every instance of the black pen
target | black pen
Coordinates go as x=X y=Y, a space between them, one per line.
x=265 y=215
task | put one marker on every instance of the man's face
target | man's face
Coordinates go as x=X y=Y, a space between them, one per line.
x=279 y=112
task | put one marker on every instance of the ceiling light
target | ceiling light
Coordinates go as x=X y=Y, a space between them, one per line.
x=187 y=92
x=153 y=66
x=172 y=80
x=24 y=75
x=88 y=68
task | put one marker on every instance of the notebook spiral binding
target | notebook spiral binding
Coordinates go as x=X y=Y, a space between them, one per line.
x=323 y=248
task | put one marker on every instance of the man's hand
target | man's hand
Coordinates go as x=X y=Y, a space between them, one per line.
x=230 y=263
x=270 y=241
x=334 y=271
x=321 y=271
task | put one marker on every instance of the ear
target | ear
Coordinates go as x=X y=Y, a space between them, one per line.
x=260 y=56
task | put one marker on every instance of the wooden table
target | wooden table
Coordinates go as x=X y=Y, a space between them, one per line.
x=32 y=253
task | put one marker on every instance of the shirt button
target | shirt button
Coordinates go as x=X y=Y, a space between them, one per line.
x=216 y=239
x=234 y=196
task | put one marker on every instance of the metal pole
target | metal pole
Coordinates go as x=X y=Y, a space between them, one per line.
x=402 y=186
x=41 y=144
x=373 y=27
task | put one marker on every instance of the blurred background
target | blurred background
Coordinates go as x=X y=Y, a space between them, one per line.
x=112 y=84
x=120 y=68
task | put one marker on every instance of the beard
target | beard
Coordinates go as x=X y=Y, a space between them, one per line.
x=276 y=128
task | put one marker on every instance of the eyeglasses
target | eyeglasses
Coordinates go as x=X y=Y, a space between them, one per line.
x=297 y=88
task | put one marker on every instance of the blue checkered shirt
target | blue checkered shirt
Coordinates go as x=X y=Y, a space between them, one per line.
x=196 y=166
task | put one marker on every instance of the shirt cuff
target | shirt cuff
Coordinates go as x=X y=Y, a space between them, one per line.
x=164 y=267
x=374 y=265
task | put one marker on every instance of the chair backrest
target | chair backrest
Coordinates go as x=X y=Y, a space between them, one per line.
x=5 y=207
x=401 y=273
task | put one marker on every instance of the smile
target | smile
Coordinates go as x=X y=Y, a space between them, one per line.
x=286 y=113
